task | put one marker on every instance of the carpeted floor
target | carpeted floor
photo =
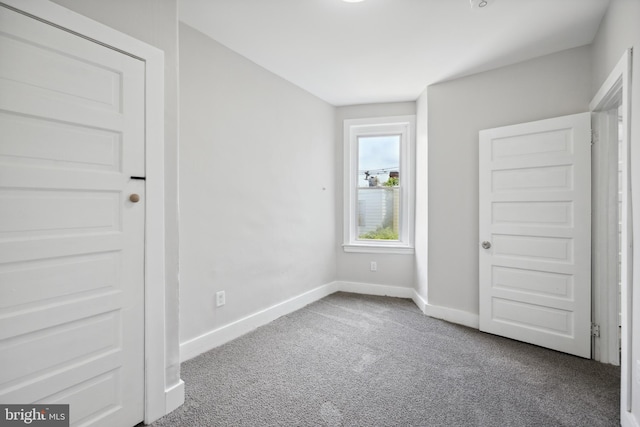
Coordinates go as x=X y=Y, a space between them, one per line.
x=355 y=360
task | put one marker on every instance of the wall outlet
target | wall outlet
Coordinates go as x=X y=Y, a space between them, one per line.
x=220 y=299
x=374 y=266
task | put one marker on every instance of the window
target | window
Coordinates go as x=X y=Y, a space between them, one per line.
x=378 y=183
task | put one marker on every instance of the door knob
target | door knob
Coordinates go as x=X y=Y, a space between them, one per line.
x=486 y=245
x=134 y=198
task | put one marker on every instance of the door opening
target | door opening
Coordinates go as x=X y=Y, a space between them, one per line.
x=611 y=113
x=607 y=205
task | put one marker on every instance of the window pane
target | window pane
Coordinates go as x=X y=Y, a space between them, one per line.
x=378 y=187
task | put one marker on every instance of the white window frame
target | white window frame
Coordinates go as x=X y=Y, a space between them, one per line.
x=380 y=126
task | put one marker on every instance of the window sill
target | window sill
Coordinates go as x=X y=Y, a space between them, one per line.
x=378 y=249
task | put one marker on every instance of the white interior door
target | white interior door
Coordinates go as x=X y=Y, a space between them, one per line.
x=71 y=241
x=535 y=233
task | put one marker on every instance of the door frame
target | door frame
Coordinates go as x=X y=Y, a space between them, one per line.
x=614 y=92
x=605 y=231
x=155 y=388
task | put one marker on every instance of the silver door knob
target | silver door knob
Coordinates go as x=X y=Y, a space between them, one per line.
x=486 y=245
x=134 y=198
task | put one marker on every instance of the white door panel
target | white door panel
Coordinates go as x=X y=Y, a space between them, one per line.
x=535 y=282
x=58 y=145
x=71 y=242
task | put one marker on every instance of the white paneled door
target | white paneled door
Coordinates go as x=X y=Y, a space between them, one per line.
x=71 y=238
x=535 y=233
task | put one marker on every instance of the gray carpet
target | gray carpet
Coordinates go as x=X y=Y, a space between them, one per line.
x=354 y=360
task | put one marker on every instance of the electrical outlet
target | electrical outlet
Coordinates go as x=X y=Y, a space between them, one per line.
x=374 y=266
x=220 y=299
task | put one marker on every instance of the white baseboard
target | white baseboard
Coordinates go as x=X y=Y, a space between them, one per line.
x=174 y=397
x=445 y=313
x=371 y=289
x=419 y=301
x=226 y=333
x=449 y=314
x=627 y=419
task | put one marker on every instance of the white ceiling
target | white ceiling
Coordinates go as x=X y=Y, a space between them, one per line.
x=390 y=50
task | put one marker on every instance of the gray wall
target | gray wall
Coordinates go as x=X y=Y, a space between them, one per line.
x=154 y=22
x=257 y=187
x=619 y=31
x=393 y=269
x=456 y=111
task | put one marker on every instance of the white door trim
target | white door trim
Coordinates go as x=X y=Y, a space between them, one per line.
x=155 y=335
x=617 y=90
